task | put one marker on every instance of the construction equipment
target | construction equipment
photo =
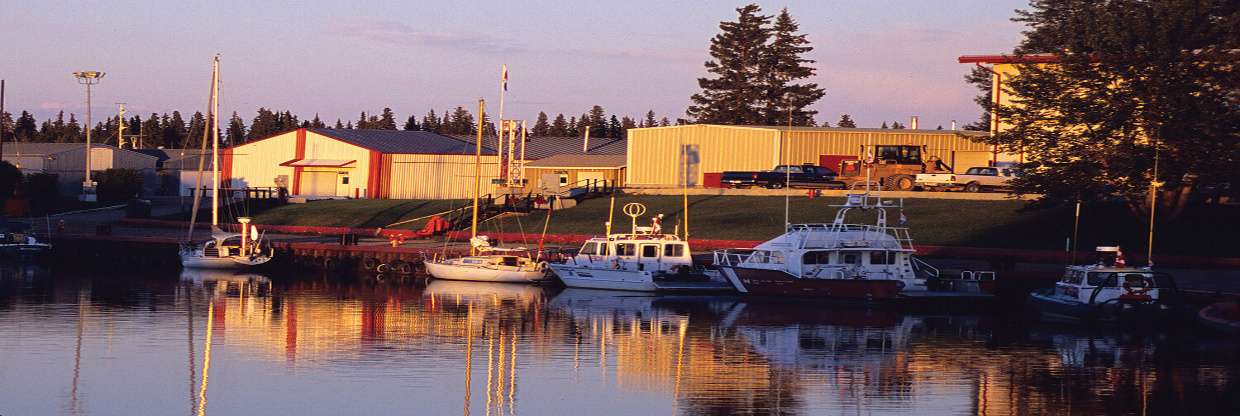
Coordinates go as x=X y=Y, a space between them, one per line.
x=894 y=167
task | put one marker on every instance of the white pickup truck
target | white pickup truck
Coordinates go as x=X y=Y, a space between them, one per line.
x=973 y=180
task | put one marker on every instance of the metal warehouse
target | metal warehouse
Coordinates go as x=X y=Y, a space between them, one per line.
x=664 y=156
x=360 y=164
x=68 y=162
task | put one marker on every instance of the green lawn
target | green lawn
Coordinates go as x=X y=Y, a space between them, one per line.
x=1206 y=230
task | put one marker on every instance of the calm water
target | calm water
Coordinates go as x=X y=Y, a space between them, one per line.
x=231 y=345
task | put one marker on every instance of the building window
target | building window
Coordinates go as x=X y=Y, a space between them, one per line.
x=344 y=180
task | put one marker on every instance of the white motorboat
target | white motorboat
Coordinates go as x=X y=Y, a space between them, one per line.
x=1106 y=290
x=643 y=260
x=224 y=250
x=17 y=242
x=843 y=260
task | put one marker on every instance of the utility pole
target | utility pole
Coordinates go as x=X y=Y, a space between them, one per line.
x=120 y=126
x=2 y=126
x=88 y=78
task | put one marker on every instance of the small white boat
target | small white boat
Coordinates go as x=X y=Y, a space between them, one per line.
x=643 y=260
x=18 y=243
x=491 y=264
x=1106 y=290
x=223 y=250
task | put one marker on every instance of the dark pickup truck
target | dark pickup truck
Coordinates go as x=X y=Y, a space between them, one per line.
x=782 y=176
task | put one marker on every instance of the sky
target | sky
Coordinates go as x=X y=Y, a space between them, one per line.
x=878 y=60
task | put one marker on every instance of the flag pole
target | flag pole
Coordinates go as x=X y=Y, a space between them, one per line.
x=503 y=88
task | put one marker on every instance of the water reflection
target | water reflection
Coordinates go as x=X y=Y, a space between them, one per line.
x=224 y=343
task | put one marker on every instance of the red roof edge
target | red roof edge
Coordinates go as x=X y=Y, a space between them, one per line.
x=1043 y=58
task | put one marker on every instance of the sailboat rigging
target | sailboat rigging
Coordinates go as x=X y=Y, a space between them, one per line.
x=223 y=250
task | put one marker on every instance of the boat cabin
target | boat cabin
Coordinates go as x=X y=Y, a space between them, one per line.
x=642 y=252
x=1096 y=284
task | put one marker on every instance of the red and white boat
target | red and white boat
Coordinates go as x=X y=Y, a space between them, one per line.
x=843 y=260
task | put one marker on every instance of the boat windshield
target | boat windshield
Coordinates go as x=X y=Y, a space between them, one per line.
x=1114 y=278
x=590 y=249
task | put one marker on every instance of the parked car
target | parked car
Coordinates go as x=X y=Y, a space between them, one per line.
x=975 y=179
x=782 y=176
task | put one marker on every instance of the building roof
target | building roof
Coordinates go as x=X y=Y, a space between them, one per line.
x=1041 y=58
x=544 y=146
x=830 y=129
x=45 y=149
x=402 y=141
x=579 y=161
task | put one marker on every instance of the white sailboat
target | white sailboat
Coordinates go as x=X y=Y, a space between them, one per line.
x=486 y=263
x=224 y=250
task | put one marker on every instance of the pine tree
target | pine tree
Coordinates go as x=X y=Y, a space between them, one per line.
x=174 y=130
x=236 y=130
x=462 y=122
x=559 y=127
x=846 y=121
x=73 y=131
x=411 y=124
x=599 y=126
x=896 y=125
x=572 y=127
x=979 y=77
x=883 y=126
x=650 y=120
x=338 y=125
x=431 y=123
x=197 y=125
x=614 y=128
x=152 y=132
x=6 y=125
x=316 y=123
x=290 y=122
x=784 y=64
x=25 y=129
x=349 y=126
x=541 y=125
x=664 y=122
x=362 y=122
x=735 y=95
x=263 y=125
x=387 y=121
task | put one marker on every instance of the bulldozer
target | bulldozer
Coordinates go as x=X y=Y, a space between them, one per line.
x=893 y=167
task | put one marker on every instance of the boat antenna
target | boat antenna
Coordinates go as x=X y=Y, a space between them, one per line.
x=1154 y=185
x=787 y=169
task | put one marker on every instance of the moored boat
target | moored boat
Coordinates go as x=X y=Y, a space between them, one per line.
x=491 y=264
x=643 y=260
x=1221 y=316
x=1107 y=290
x=843 y=260
x=17 y=242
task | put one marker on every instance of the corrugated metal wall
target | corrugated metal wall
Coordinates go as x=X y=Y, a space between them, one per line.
x=534 y=176
x=654 y=153
x=322 y=147
x=257 y=164
x=418 y=176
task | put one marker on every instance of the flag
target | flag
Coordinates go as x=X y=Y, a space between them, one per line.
x=504 y=78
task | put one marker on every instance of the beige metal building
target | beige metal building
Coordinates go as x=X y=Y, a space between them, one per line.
x=68 y=162
x=668 y=156
x=555 y=173
x=360 y=164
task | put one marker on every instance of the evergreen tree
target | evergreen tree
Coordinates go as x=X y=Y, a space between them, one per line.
x=25 y=129
x=883 y=126
x=152 y=132
x=735 y=95
x=784 y=64
x=431 y=122
x=559 y=127
x=411 y=123
x=6 y=125
x=462 y=122
x=626 y=123
x=846 y=121
x=56 y=130
x=598 y=122
x=979 y=77
x=263 y=125
x=1131 y=79
x=349 y=126
x=197 y=125
x=614 y=128
x=650 y=120
x=362 y=122
x=664 y=122
x=940 y=127
x=290 y=123
x=572 y=127
x=236 y=130
x=174 y=130
x=316 y=123
x=897 y=125
x=73 y=130
x=541 y=126
x=387 y=121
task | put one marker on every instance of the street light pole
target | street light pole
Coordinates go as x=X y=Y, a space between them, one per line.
x=88 y=78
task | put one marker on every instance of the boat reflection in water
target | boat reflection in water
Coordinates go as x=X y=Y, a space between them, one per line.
x=241 y=344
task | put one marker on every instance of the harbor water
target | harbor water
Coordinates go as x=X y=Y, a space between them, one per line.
x=228 y=344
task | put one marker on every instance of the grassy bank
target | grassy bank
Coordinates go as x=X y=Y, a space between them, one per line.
x=1208 y=230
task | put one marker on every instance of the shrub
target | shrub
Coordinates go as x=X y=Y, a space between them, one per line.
x=118 y=185
x=42 y=190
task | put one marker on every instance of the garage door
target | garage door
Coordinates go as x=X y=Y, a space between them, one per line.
x=318 y=183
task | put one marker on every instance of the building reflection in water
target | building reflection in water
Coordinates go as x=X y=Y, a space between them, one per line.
x=500 y=349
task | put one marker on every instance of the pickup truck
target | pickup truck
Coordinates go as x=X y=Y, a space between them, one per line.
x=975 y=179
x=782 y=176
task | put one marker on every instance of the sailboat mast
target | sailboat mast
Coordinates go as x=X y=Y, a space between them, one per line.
x=215 y=143
x=473 y=228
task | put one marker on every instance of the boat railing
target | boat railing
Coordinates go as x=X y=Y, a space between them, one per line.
x=978 y=275
x=735 y=258
x=830 y=236
x=927 y=268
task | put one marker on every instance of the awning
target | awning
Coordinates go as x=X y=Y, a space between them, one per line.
x=320 y=163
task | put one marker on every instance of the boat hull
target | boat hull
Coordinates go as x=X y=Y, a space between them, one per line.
x=197 y=261
x=778 y=283
x=25 y=252
x=1054 y=307
x=1222 y=316
x=483 y=274
x=586 y=278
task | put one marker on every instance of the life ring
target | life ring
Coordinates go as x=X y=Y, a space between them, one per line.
x=383 y=268
x=404 y=268
x=370 y=263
